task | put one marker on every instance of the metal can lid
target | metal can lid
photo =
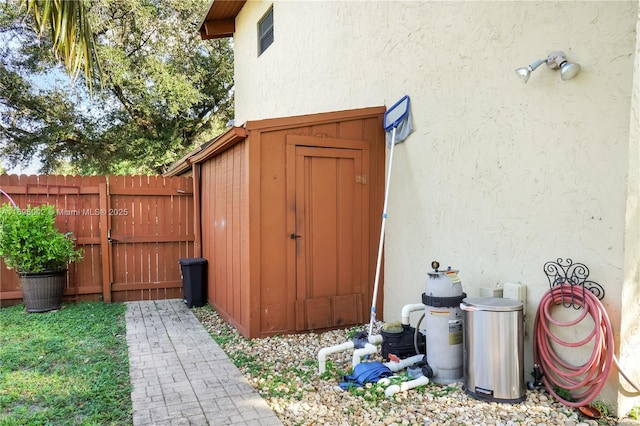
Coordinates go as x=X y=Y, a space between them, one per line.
x=497 y=304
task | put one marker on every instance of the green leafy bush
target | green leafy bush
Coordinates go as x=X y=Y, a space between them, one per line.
x=30 y=241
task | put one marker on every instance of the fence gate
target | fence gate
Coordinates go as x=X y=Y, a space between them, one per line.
x=150 y=227
x=132 y=230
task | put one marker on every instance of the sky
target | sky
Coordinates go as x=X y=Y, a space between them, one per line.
x=25 y=169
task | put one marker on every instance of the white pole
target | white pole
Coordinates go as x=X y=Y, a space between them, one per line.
x=381 y=244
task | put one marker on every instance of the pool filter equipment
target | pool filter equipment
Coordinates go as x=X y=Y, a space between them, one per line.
x=443 y=324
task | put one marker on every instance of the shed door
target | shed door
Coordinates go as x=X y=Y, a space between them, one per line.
x=331 y=219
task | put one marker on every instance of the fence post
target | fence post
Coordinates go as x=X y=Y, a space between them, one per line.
x=197 y=224
x=105 y=246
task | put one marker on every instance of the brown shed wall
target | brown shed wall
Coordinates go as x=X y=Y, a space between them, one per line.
x=246 y=217
x=225 y=233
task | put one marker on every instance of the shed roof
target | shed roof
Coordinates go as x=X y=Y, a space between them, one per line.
x=220 y=19
x=207 y=150
x=236 y=134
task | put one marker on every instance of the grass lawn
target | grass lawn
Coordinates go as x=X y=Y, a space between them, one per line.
x=68 y=367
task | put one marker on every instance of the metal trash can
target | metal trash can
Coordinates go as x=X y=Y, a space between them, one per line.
x=194 y=280
x=493 y=358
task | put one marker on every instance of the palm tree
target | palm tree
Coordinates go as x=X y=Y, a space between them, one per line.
x=73 y=39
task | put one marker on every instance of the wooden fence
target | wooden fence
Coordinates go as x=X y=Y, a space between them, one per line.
x=132 y=230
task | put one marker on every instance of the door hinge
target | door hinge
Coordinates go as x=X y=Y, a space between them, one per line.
x=361 y=179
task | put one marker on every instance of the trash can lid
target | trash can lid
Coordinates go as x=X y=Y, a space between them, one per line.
x=192 y=261
x=497 y=304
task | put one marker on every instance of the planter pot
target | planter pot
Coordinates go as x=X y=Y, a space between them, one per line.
x=42 y=291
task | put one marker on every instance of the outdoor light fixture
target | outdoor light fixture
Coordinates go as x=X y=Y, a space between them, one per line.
x=555 y=60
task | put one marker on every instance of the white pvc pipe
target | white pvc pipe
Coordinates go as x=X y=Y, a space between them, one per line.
x=358 y=354
x=407 y=309
x=376 y=339
x=322 y=354
x=404 y=363
x=405 y=386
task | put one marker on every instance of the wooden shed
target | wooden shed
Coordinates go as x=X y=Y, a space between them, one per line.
x=290 y=214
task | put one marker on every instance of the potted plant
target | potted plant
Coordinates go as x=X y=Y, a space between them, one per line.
x=31 y=244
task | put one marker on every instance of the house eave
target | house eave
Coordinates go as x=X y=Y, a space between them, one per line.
x=220 y=19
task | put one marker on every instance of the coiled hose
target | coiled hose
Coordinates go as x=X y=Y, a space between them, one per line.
x=584 y=382
x=9 y=197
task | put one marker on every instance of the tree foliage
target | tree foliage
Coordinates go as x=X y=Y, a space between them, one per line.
x=164 y=90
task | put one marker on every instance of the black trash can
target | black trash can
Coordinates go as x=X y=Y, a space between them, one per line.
x=194 y=280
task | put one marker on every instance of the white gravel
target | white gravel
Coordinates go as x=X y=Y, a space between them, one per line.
x=284 y=370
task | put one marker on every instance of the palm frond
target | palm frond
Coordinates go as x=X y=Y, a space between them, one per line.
x=73 y=39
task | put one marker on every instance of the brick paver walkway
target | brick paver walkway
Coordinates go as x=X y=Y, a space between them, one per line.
x=179 y=374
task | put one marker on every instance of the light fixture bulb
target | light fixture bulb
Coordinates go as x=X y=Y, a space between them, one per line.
x=568 y=70
x=525 y=72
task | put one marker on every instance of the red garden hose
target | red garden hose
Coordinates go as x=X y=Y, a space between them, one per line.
x=584 y=382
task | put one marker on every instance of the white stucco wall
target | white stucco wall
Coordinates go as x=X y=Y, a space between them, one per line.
x=630 y=297
x=499 y=176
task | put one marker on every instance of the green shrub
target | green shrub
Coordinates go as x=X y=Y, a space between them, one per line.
x=30 y=241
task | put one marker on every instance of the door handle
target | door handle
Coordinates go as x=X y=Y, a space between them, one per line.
x=294 y=236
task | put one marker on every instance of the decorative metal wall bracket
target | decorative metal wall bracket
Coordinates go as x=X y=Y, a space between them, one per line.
x=566 y=272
